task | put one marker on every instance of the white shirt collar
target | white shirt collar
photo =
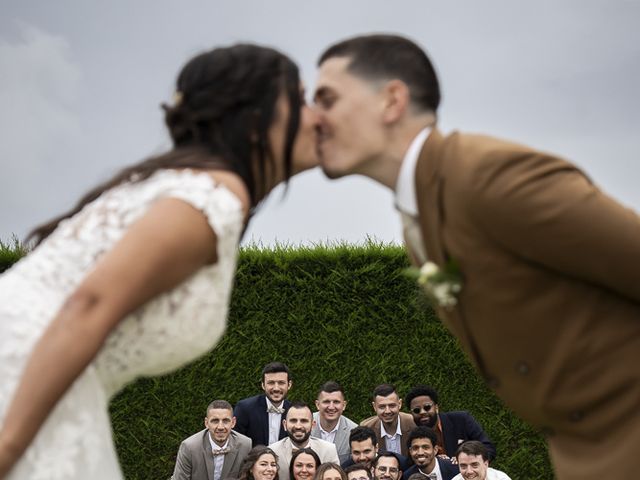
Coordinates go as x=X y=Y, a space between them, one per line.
x=406 y=184
x=435 y=470
x=383 y=432
x=335 y=429
x=270 y=404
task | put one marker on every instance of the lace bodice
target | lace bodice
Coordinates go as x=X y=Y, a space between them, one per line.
x=168 y=331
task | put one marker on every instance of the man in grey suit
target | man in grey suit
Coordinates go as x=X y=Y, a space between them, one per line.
x=330 y=424
x=217 y=452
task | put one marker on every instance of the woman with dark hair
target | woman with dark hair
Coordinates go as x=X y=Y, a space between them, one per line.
x=330 y=471
x=261 y=464
x=304 y=463
x=136 y=279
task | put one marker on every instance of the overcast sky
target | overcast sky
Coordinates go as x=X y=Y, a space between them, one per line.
x=81 y=82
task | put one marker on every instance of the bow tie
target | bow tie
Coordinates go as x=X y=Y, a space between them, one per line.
x=274 y=409
x=219 y=451
x=431 y=476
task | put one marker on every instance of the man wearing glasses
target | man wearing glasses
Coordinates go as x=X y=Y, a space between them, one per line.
x=386 y=466
x=452 y=428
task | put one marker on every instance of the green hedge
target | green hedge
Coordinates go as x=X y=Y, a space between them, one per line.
x=342 y=312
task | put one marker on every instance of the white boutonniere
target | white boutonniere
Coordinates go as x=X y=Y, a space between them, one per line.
x=442 y=285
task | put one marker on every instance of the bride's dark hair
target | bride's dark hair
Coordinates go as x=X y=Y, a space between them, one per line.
x=225 y=103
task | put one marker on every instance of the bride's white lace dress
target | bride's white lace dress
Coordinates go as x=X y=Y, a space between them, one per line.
x=75 y=442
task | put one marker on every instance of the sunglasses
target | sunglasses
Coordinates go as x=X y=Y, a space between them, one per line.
x=426 y=407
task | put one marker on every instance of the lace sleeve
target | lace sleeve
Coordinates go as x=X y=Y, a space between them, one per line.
x=221 y=207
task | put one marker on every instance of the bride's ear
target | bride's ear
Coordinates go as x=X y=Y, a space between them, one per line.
x=396 y=100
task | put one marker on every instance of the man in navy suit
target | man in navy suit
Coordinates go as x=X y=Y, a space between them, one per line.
x=451 y=428
x=260 y=417
x=422 y=446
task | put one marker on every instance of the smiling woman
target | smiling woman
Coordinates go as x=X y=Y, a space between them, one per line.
x=304 y=463
x=260 y=464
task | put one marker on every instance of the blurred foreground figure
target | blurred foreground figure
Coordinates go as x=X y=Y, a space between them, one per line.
x=136 y=279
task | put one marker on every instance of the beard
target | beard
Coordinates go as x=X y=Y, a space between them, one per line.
x=302 y=441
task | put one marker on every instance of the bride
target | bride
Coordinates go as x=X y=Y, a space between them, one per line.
x=136 y=279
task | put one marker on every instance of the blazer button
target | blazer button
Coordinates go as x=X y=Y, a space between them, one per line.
x=522 y=368
x=576 y=416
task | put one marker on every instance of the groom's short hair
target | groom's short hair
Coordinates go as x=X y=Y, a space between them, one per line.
x=389 y=57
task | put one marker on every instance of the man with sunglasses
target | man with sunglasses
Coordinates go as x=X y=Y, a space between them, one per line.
x=452 y=428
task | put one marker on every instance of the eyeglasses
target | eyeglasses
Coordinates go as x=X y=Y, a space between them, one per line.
x=426 y=407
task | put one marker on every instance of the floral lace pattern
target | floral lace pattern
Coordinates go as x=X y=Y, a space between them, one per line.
x=162 y=335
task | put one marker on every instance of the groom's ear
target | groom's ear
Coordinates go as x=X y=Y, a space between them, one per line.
x=396 y=97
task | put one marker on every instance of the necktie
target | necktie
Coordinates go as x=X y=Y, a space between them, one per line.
x=274 y=409
x=433 y=476
x=219 y=451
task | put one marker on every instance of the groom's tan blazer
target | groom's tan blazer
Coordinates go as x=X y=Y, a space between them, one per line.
x=550 y=306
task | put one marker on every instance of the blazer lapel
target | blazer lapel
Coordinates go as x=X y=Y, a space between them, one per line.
x=207 y=454
x=342 y=435
x=230 y=458
x=428 y=191
x=264 y=418
x=430 y=182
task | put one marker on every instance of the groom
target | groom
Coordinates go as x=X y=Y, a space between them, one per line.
x=549 y=309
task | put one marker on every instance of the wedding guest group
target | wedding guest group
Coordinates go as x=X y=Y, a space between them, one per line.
x=217 y=452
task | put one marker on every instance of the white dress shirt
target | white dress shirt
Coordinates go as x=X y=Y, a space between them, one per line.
x=393 y=442
x=218 y=460
x=275 y=420
x=405 y=197
x=328 y=436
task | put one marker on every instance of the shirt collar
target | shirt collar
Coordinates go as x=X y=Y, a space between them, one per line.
x=335 y=429
x=435 y=470
x=294 y=448
x=269 y=404
x=383 y=432
x=406 y=185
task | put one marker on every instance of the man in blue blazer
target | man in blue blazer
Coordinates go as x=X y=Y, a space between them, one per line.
x=451 y=428
x=260 y=417
x=422 y=446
